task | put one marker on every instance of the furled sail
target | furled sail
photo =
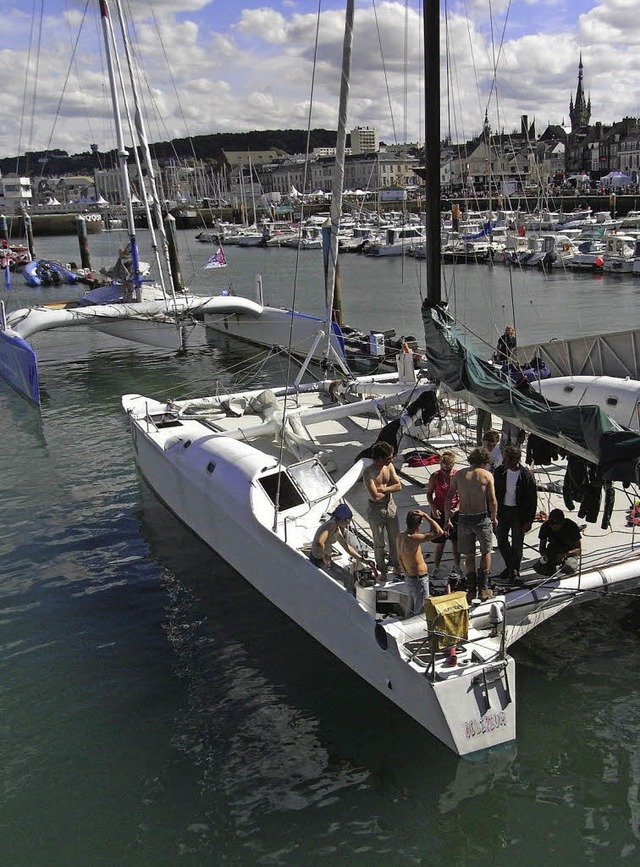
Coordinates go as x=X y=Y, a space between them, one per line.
x=583 y=430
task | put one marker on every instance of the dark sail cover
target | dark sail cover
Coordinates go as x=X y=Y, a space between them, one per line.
x=583 y=430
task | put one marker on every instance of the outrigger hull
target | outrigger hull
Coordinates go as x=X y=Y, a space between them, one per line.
x=19 y=366
x=155 y=322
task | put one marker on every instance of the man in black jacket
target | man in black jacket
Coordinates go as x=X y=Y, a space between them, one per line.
x=517 y=506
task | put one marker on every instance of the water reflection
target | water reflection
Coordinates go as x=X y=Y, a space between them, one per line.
x=276 y=727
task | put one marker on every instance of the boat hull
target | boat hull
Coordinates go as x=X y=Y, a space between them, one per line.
x=19 y=366
x=278 y=327
x=468 y=709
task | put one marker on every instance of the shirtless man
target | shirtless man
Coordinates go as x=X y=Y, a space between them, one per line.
x=412 y=559
x=381 y=481
x=477 y=519
x=330 y=532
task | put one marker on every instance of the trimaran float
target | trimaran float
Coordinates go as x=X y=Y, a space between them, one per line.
x=254 y=473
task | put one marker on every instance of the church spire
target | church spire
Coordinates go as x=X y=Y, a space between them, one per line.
x=580 y=110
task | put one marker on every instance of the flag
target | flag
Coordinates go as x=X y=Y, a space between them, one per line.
x=217 y=260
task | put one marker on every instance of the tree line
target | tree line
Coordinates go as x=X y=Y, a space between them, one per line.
x=208 y=148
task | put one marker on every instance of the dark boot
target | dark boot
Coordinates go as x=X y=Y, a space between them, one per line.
x=484 y=589
x=472 y=586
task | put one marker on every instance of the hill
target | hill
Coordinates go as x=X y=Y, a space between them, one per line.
x=208 y=148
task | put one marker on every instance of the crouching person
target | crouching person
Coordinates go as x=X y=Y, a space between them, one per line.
x=412 y=560
x=560 y=545
x=330 y=532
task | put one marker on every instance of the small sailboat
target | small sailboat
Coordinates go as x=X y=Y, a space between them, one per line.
x=218 y=260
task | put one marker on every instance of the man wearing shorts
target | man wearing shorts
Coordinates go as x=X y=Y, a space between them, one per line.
x=477 y=519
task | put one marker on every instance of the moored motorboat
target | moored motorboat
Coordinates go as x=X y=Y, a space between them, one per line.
x=48 y=272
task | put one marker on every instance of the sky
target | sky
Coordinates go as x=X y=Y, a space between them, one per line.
x=208 y=66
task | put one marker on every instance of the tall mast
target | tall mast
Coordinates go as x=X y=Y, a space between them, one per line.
x=431 y=23
x=148 y=162
x=335 y=211
x=123 y=154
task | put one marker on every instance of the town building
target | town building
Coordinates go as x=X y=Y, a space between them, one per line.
x=364 y=140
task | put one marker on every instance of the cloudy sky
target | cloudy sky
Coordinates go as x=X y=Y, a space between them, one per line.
x=238 y=65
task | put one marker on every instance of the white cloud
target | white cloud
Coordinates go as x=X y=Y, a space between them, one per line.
x=215 y=67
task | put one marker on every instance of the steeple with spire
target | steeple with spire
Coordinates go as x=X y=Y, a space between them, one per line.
x=580 y=111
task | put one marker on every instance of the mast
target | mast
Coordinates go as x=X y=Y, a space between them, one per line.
x=431 y=24
x=337 y=188
x=148 y=162
x=123 y=154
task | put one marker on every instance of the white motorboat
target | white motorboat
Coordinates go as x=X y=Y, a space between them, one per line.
x=588 y=256
x=399 y=241
x=556 y=251
x=619 y=254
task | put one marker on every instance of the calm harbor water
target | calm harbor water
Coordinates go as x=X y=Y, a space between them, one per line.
x=157 y=710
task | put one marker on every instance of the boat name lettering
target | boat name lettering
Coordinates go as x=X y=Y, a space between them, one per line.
x=488 y=723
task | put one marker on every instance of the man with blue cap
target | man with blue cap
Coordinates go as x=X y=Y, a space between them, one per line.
x=330 y=532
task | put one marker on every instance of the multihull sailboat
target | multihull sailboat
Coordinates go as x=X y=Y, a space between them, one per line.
x=134 y=308
x=255 y=473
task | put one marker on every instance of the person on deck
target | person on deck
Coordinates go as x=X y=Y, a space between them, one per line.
x=491 y=442
x=439 y=483
x=517 y=498
x=506 y=347
x=330 y=532
x=412 y=559
x=381 y=481
x=477 y=519
x=560 y=545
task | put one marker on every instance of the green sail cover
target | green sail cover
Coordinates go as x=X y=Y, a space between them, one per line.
x=582 y=430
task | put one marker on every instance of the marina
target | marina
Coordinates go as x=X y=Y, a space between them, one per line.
x=198 y=487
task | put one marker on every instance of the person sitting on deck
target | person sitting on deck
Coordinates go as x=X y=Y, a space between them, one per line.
x=330 y=531
x=560 y=545
x=412 y=559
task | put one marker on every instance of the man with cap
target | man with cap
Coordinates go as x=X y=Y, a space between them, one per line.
x=333 y=531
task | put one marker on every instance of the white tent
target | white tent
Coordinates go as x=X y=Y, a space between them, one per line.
x=616 y=179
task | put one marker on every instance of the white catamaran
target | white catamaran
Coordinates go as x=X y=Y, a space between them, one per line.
x=133 y=308
x=254 y=474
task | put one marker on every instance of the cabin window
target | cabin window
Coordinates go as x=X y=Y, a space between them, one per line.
x=312 y=479
x=612 y=401
x=281 y=491
x=568 y=389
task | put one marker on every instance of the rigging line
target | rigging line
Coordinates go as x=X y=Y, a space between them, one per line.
x=66 y=80
x=159 y=117
x=32 y=111
x=297 y=260
x=384 y=73
x=405 y=60
x=496 y=59
x=36 y=75
x=143 y=144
